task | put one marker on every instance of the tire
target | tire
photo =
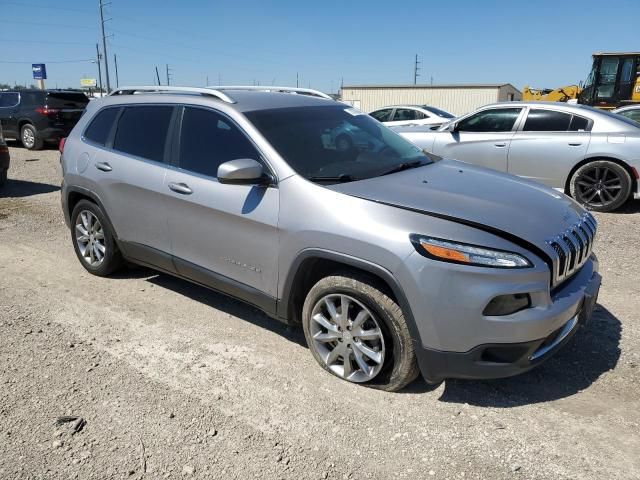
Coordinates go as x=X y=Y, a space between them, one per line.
x=3 y=177
x=30 y=138
x=96 y=260
x=397 y=366
x=344 y=143
x=601 y=186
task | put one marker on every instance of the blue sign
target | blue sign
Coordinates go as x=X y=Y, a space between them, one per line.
x=39 y=71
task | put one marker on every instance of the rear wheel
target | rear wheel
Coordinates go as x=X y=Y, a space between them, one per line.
x=30 y=138
x=602 y=185
x=93 y=240
x=358 y=333
x=344 y=143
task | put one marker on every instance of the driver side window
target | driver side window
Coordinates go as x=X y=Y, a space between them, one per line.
x=494 y=120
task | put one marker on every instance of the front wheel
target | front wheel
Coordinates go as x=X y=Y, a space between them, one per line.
x=601 y=185
x=358 y=333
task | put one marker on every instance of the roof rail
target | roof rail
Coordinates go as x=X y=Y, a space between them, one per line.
x=271 y=88
x=168 y=89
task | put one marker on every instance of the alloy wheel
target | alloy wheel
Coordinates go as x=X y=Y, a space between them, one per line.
x=28 y=138
x=90 y=238
x=598 y=186
x=347 y=337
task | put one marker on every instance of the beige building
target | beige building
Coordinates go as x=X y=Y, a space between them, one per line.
x=457 y=99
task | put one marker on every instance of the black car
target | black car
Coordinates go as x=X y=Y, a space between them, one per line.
x=4 y=160
x=38 y=116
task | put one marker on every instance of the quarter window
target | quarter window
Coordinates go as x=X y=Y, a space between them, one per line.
x=142 y=131
x=578 y=123
x=100 y=127
x=208 y=139
x=494 y=120
x=382 y=115
x=9 y=99
x=547 y=121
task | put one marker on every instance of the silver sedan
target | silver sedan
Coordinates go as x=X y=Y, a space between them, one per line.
x=590 y=154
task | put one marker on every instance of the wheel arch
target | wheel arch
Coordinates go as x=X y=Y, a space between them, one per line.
x=75 y=194
x=626 y=166
x=313 y=264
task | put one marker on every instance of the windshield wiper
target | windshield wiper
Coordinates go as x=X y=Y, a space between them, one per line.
x=338 y=178
x=405 y=166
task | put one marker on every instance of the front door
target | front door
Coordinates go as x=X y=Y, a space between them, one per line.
x=222 y=235
x=481 y=139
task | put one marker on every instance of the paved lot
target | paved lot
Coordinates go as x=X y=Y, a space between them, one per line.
x=177 y=381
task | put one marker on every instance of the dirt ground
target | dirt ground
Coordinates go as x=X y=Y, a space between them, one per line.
x=175 y=381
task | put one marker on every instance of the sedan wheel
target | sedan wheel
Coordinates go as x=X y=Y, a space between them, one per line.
x=601 y=186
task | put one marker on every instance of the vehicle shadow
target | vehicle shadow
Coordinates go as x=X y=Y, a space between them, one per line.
x=25 y=188
x=221 y=302
x=632 y=206
x=594 y=350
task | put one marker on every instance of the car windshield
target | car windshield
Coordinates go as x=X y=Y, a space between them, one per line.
x=437 y=111
x=332 y=144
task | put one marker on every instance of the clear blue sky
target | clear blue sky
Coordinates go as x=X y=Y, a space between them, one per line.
x=540 y=43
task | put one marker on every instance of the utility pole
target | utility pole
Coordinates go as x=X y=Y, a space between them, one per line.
x=158 y=76
x=104 y=44
x=98 y=59
x=415 y=70
x=207 y=83
x=168 y=74
x=115 y=61
x=297 y=80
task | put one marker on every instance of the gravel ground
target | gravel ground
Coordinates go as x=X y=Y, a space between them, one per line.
x=175 y=381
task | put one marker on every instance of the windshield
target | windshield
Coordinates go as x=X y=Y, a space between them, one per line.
x=332 y=144
x=437 y=111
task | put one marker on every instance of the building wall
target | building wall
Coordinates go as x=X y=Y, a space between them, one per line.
x=457 y=100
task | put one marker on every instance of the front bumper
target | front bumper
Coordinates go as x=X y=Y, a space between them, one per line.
x=497 y=360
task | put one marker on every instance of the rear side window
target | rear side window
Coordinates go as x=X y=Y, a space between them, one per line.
x=9 y=99
x=100 y=127
x=382 y=115
x=547 y=121
x=404 y=114
x=67 y=100
x=142 y=131
x=632 y=114
x=208 y=139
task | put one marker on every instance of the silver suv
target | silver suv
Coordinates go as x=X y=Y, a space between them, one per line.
x=392 y=264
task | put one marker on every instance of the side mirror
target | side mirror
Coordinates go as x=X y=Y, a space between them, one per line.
x=450 y=127
x=243 y=171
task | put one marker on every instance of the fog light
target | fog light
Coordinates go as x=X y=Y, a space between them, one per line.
x=507 y=304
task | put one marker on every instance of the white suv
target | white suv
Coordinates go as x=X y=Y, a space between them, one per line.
x=411 y=115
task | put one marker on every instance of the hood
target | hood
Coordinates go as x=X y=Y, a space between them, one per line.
x=475 y=195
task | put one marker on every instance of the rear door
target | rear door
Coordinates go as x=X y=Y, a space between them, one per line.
x=223 y=235
x=406 y=116
x=482 y=138
x=128 y=169
x=548 y=145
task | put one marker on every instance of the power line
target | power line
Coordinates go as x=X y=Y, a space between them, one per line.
x=43 y=24
x=50 y=61
x=50 y=7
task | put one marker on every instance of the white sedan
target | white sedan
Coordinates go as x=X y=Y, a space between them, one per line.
x=399 y=115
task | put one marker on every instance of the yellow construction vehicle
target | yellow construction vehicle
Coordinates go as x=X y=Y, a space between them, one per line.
x=614 y=81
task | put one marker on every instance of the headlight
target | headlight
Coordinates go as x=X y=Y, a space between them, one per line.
x=463 y=253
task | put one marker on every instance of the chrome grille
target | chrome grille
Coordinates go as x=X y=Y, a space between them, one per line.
x=572 y=248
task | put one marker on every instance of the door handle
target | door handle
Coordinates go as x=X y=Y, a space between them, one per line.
x=182 y=188
x=104 y=166
x=500 y=144
x=575 y=144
